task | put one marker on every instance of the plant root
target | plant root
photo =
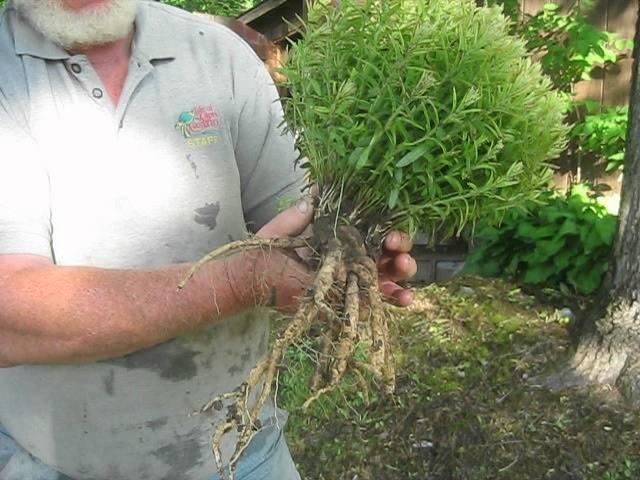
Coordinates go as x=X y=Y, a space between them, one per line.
x=251 y=243
x=346 y=311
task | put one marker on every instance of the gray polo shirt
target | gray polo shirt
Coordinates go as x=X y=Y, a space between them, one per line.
x=190 y=155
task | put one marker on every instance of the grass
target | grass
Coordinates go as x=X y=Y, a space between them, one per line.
x=467 y=406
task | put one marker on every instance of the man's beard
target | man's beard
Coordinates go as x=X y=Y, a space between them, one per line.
x=71 y=30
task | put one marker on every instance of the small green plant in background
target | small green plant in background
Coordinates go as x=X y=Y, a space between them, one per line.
x=568 y=46
x=603 y=133
x=510 y=8
x=563 y=242
x=570 y=49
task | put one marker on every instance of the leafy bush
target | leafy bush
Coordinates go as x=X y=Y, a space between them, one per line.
x=603 y=133
x=511 y=8
x=570 y=48
x=565 y=241
x=421 y=115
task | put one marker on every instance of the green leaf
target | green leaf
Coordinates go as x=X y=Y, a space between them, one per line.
x=363 y=158
x=569 y=227
x=606 y=229
x=393 y=198
x=354 y=158
x=562 y=260
x=548 y=248
x=534 y=232
x=512 y=268
x=585 y=281
x=538 y=274
x=413 y=155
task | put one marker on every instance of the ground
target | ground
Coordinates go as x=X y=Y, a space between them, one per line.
x=468 y=405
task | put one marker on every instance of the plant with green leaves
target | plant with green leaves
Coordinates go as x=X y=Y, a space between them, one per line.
x=510 y=8
x=410 y=115
x=564 y=242
x=569 y=46
x=570 y=49
x=423 y=118
x=603 y=134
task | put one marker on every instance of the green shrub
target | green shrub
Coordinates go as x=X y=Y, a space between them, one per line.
x=420 y=115
x=565 y=241
x=603 y=133
x=569 y=47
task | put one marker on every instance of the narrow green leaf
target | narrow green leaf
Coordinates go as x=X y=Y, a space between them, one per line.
x=413 y=155
x=393 y=198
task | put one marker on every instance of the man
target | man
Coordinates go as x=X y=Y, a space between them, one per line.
x=135 y=138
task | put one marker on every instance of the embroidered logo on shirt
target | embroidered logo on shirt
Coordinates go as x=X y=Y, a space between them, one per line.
x=200 y=126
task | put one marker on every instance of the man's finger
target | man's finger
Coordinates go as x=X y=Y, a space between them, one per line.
x=396 y=294
x=291 y=222
x=398 y=267
x=398 y=241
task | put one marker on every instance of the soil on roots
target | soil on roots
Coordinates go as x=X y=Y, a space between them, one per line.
x=342 y=308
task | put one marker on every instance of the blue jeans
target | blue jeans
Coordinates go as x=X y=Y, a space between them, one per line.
x=266 y=458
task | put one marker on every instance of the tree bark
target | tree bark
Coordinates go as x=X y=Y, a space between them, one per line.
x=609 y=347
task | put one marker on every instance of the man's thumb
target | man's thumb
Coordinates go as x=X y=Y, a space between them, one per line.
x=291 y=222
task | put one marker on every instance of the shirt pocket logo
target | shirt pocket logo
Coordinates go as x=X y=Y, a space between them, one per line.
x=200 y=126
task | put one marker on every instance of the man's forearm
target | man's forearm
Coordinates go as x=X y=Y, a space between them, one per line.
x=54 y=314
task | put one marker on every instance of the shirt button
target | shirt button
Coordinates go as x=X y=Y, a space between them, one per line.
x=75 y=68
x=97 y=93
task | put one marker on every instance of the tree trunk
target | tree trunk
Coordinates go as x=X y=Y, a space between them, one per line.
x=609 y=347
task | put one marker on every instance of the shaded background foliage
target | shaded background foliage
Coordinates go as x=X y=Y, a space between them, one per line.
x=563 y=242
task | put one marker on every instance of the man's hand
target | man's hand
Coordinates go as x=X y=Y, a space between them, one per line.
x=290 y=222
x=288 y=275
x=396 y=265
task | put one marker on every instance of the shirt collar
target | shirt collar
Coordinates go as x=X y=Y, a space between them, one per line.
x=150 y=39
x=28 y=41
